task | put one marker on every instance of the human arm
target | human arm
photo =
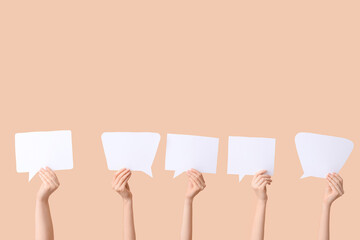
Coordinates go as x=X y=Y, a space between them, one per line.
x=334 y=190
x=259 y=183
x=196 y=184
x=121 y=186
x=43 y=223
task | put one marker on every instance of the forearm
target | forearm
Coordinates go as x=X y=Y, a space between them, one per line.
x=325 y=222
x=259 y=221
x=186 y=228
x=43 y=224
x=129 y=226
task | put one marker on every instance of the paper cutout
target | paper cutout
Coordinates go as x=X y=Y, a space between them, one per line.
x=321 y=154
x=35 y=150
x=133 y=150
x=248 y=155
x=184 y=152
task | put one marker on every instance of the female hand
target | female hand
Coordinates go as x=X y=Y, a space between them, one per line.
x=259 y=183
x=49 y=184
x=196 y=183
x=334 y=188
x=121 y=185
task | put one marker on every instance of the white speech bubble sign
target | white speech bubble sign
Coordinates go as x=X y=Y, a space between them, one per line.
x=35 y=150
x=322 y=154
x=133 y=150
x=248 y=155
x=184 y=152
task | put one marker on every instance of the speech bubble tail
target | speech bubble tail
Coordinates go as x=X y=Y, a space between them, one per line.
x=241 y=177
x=177 y=173
x=149 y=172
x=32 y=174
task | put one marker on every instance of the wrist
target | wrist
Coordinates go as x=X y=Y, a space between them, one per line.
x=42 y=199
x=127 y=199
x=189 y=200
x=326 y=204
x=262 y=200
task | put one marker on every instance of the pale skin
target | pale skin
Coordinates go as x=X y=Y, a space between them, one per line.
x=334 y=190
x=196 y=184
x=43 y=223
x=121 y=186
x=259 y=184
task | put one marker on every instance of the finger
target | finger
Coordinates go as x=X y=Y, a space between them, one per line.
x=265 y=176
x=46 y=175
x=338 y=183
x=127 y=179
x=193 y=182
x=261 y=181
x=337 y=176
x=43 y=178
x=264 y=184
x=53 y=174
x=123 y=183
x=335 y=185
x=49 y=170
x=195 y=171
x=197 y=176
x=261 y=177
x=334 y=178
x=197 y=181
x=119 y=175
x=122 y=180
x=49 y=176
x=260 y=172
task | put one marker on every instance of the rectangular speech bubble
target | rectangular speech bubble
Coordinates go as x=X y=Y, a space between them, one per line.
x=184 y=152
x=248 y=155
x=35 y=150
x=133 y=150
x=322 y=154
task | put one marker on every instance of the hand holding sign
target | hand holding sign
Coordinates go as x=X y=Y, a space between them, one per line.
x=321 y=154
x=248 y=155
x=35 y=150
x=184 y=152
x=133 y=150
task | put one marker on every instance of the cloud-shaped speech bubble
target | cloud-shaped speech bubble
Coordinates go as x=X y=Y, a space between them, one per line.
x=184 y=152
x=35 y=150
x=248 y=155
x=321 y=154
x=133 y=150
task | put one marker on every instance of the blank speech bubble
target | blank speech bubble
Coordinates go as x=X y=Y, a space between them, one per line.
x=35 y=150
x=248 y=155
x=321 y=154
x=184 y=152
x=133 y=150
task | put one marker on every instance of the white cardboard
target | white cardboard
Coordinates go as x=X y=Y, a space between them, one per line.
x=133 y=150
x=184 y=152
x=322 y=154
x=35 y=150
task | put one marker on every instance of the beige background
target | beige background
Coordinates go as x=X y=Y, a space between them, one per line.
x=212 y=68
